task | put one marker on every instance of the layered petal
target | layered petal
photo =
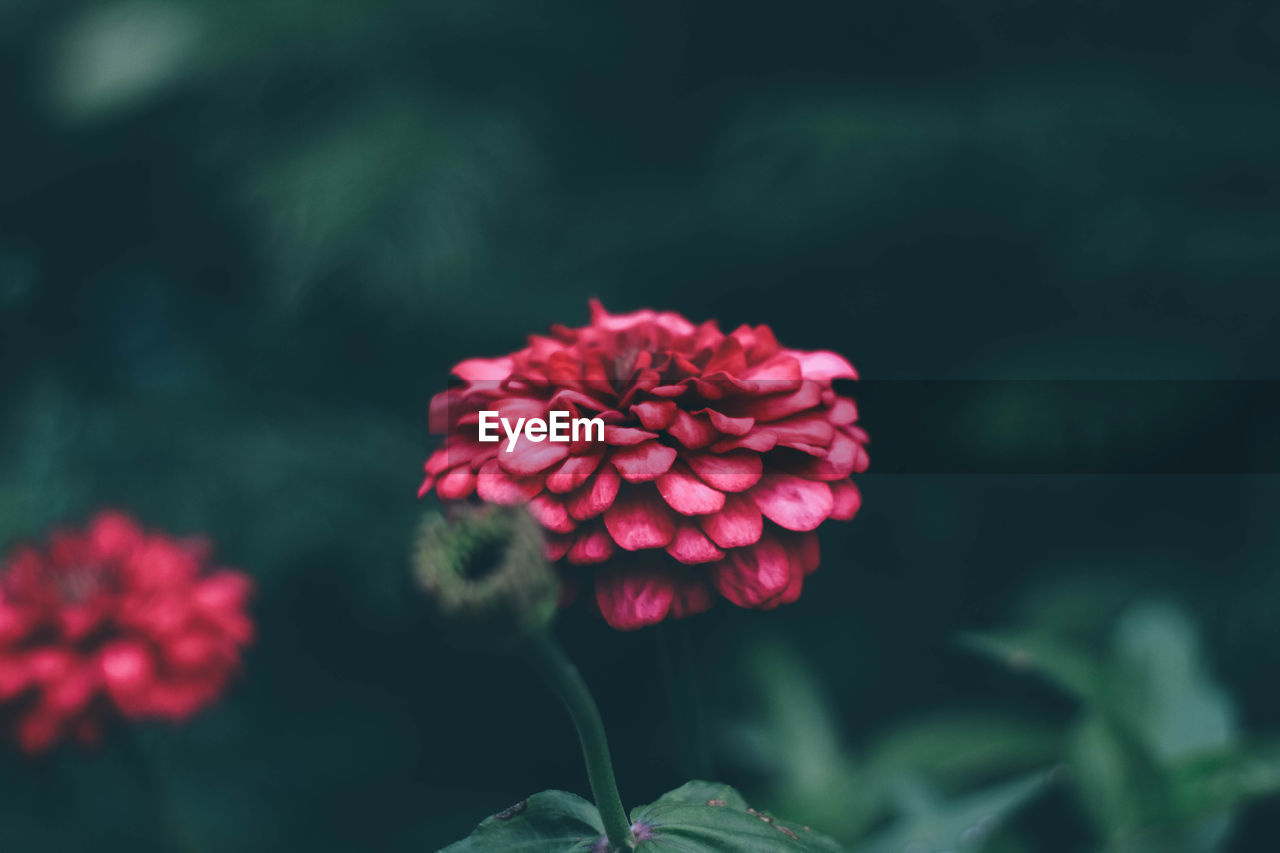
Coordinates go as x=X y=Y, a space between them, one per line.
x=691 y=545
x=639 y=519
x=688 y=495
x=728 y=472
x=793 y=502
x=738 y=524
x=752 y=577
x=643 y=462
x=635 y=597
x=596 y=495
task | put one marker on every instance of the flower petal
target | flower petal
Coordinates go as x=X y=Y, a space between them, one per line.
x=484 y=369
x=750 y=577
x=73 y=692
x=668 y=390
x=693 y=431
x=591 y=546
x=843 y=412
x=846 y=500
x=804 y=551
x=793 y=502
x=727 y=425
x=457 y=484
x=633 y=598
x=597 y=495
x=573 y=472
x=439 y=461
x=691 y=545
x=644 y=462
x=780 y=373
x=551 y=514
x=556 y=545
x=738 y=524
x=771 y=407
x=845 y=456
x=688 y=495
x=576 y=398
x=760 y=439
x=655 y=414
x=728 y=357
x=497 y=486
x=692 y=596
x=113 y=534
x=639 y=519
x=825 y=366
x=728 y=472
x=809 y=428
x=127 y=667
x=626 y=436
x=38 y=732
x=531 y=457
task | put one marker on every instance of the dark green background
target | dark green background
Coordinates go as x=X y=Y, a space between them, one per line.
x=241 y=243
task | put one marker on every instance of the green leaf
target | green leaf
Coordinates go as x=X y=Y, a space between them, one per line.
x=705 y=817
x=1223 y=779
x=964 y=747
x=796 y=743
x=1140 y=806
x=1057 y=663
x=701 y=793
x=1162 y=687
x=549 y=822
x=1115 y=777
x=967 y=823
x=699 y=817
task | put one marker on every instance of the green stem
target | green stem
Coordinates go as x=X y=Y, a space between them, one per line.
x=675 y=652
x=163 y=805
x=564 y=679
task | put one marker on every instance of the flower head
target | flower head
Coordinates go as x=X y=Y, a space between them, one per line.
x=721 y=454
x=113 y=622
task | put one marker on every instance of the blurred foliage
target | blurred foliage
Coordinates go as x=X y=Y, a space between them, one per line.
x=922 y=774
x=242 y=243
x=1155 y=755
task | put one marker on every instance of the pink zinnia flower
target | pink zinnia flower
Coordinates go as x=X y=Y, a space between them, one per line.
x=722 y=455
x=113 y=622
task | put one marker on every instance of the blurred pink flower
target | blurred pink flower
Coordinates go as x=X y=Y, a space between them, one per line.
x=113 y=622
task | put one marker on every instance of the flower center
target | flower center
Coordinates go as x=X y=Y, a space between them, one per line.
x=484 y=558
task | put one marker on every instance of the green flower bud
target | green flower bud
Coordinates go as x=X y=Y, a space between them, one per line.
x=483 y=569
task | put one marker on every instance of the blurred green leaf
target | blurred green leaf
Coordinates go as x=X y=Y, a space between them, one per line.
x=116 y=55
x=1054 y=661
x=966 y=823
x=1152 y=757
x=1115 y=778
x=797 y=742
x=1160 y=685
x=399 y=198
x=962 y=747
x=1225 y=779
